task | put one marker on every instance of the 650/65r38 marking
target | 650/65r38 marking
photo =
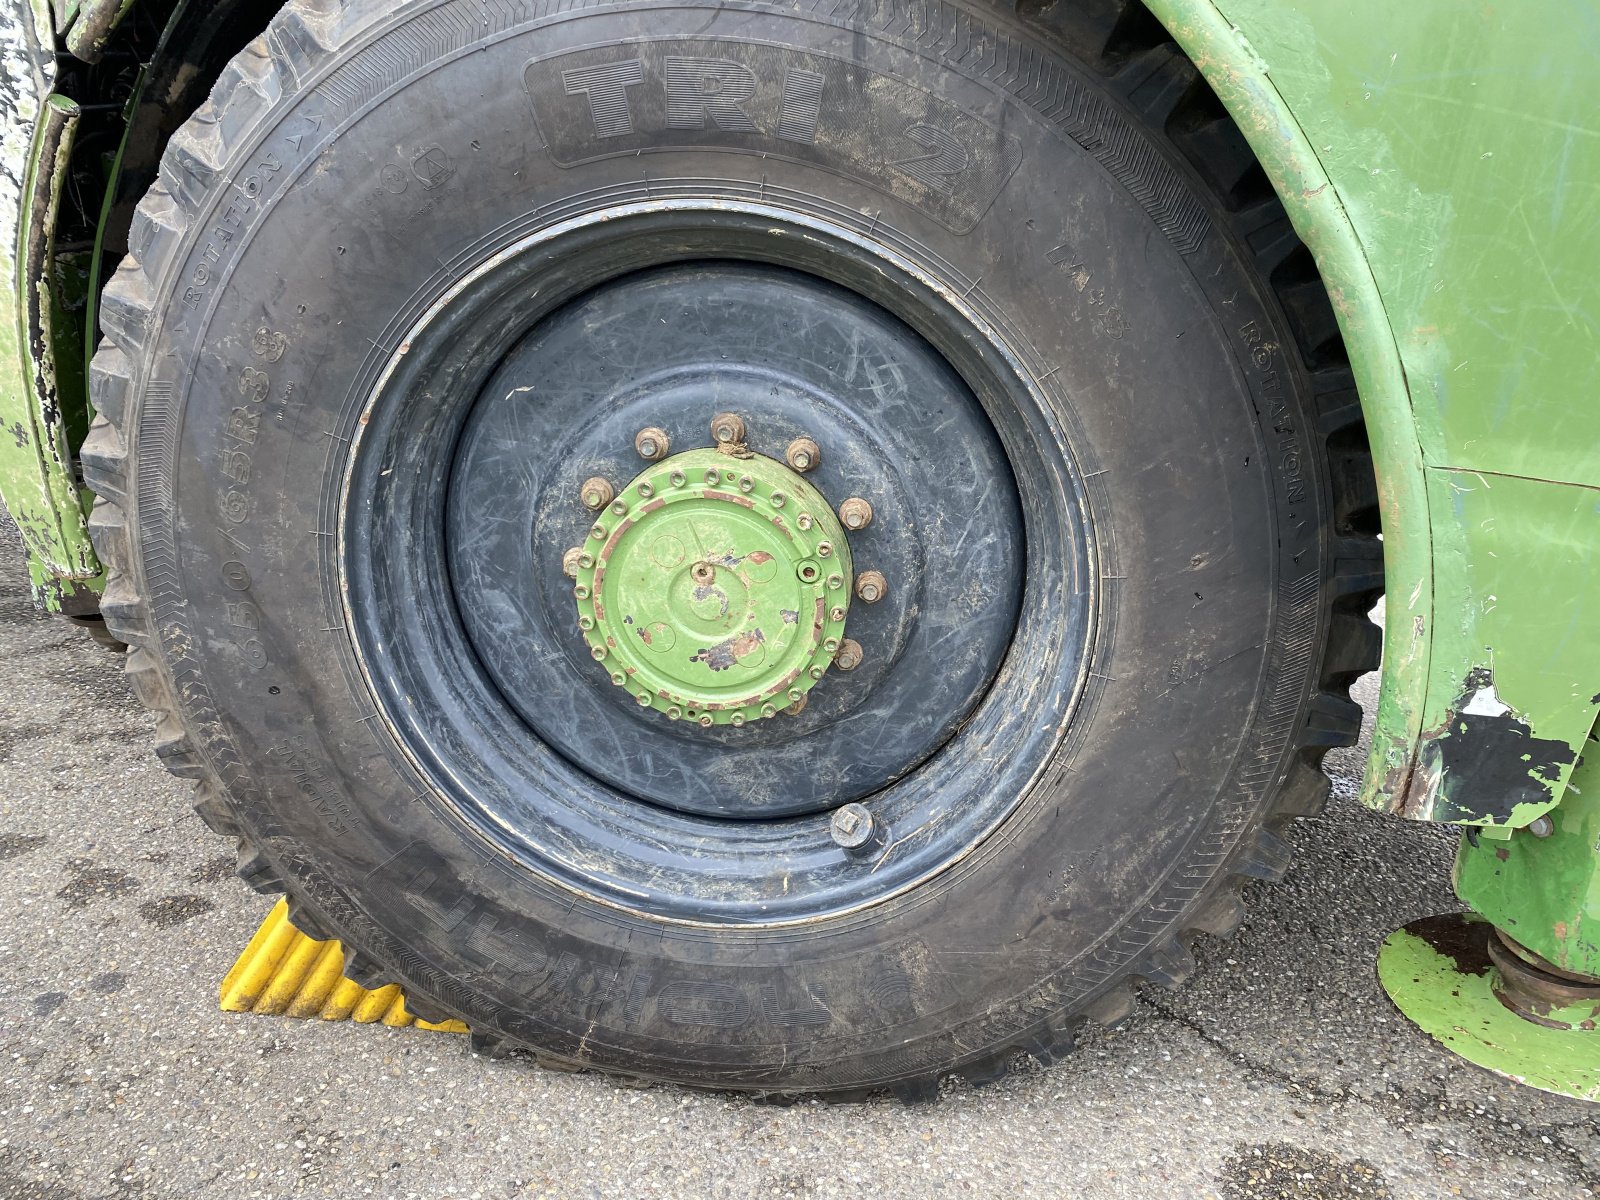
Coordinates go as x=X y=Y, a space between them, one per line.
x=430 y=312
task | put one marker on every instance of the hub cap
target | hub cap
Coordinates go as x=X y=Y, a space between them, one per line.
x=714 y=588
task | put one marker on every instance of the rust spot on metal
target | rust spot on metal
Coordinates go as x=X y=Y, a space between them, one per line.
x=729 y=651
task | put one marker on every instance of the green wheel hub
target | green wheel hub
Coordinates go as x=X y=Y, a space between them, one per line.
x=715 y=588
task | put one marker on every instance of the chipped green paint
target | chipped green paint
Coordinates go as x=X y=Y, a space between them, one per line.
x=715 y=587
x=1545 y=891
x=1456 y=224
x=36 y=473
x=93 y=26
x=1438 y=975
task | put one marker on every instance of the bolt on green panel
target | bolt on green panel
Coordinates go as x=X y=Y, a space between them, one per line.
x=1545 y=891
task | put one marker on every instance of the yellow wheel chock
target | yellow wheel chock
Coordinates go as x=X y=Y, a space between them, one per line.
x=284 y=973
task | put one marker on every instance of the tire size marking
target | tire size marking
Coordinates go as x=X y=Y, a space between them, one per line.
x=1108 y=317
x=604 y=102
x=1263 y=357
x=235 y=501
x=298 y=759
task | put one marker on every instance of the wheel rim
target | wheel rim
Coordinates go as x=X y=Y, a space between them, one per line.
x=680 y=825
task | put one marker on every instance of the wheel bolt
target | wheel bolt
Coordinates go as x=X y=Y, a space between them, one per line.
x=849 y=656
x=570 y=562
x=852 y=826
x=871 y=587
x=727 y=428
x=652 y=443
x=856 y=514
x=1541 y=826
x=803 y=454
x=597 y=493
x=798 y=707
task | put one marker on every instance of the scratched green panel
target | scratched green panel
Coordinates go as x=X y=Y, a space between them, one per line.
x=1462 y=149
x=1503 y=544
x=1465 y=144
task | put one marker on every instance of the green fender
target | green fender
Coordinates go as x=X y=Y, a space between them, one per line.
x=1443 y=165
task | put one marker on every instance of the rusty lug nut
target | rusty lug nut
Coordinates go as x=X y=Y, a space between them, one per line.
x=652 y=443
x=871 y=587
x=856 y=514
x=727 y=428
x=798 y=707
x=570 y=562
x=803 y=454
x=849 y=656
x=852 y=826
x=597 y=493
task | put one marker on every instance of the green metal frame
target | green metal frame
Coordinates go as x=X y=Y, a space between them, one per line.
x=1439 y=165
x=1443 y=166
x=37 y=478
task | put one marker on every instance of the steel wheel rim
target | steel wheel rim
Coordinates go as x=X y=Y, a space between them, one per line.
x=511 y=793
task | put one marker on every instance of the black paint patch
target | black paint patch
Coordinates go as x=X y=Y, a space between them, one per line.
x=1279 y=1171
x=109 y=983
x=15 y=845
x=1488 y=765
x=91 y=883
x=44 y=1005
x=171 y=911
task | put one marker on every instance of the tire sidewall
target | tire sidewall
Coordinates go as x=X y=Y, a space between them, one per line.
x=1182 y=411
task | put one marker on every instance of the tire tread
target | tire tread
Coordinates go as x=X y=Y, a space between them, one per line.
x=1129 y=48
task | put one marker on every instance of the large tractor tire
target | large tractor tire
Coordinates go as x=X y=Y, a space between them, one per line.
x=782 y=547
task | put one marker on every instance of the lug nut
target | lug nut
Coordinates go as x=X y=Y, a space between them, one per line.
x=727 y=428
x=1541 y=826
x=570 y=562
x=798 y=707
x=871 y=587
x=652 y=443
x=852 y=826
x=803 y=454
x=597 y=493
x=849 y=656
x=856 y=514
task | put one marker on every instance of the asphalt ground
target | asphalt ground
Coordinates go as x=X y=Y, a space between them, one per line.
x=1279 y=1070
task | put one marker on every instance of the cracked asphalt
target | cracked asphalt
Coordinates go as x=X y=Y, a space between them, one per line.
x=1279 y=1070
